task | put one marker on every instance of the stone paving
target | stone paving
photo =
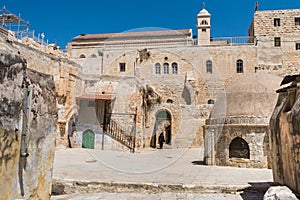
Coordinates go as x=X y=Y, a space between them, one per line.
x=177 y=173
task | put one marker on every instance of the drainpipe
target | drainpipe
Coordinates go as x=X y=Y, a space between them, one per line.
x=24 y=137
x=26 y=121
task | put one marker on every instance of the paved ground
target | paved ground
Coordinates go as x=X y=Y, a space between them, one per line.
x=152 y=174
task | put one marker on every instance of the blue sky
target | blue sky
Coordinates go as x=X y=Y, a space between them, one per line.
x=62 y=20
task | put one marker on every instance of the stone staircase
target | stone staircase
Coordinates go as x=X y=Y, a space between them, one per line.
x=116 y=132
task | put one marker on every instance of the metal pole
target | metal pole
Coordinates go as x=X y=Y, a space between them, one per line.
x=134 y=119
x=212 y=147
x=102 y=63
x=104 y=126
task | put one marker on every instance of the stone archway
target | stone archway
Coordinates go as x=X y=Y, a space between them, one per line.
x=163 y=123
x=239 y=148
x=88 y=139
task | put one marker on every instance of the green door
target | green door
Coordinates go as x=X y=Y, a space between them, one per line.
x=88 y=139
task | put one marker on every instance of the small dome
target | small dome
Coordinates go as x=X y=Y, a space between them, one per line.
x=251 y=95
x=204 y=13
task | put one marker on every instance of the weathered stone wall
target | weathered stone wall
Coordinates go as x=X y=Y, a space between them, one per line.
x=280 y=60
x=285 y=139
x=217 y=143
x=67 y=78
x=30 y=176
x=12 y=70
x=264 y=22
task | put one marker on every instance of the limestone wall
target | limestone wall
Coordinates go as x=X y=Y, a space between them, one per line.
x=67 y=78
x=264 y=22
x=219 y=137
x=12 y=69
x=283 y=59
x=285 y=139
x=29 y=176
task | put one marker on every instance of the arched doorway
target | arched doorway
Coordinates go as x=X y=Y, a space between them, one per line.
x=88 y=139
x=239 y=148
x=163 y=123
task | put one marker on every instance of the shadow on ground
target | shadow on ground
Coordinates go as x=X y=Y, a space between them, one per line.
x=198 y=162
x=256 y=190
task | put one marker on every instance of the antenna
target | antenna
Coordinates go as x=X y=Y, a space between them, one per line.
x=4 y=10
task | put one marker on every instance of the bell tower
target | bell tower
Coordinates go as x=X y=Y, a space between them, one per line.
x=203 y=26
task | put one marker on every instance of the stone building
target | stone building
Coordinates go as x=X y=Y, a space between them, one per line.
x=237 y=133
x=142 y=82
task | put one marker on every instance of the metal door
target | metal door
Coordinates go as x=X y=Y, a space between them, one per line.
x=88 y=139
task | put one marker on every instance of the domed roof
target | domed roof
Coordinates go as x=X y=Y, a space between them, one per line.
x=203 y=13
x=251 y=95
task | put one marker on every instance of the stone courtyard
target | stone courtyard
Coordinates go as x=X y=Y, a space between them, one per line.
x=113 y=101
x=153 y=174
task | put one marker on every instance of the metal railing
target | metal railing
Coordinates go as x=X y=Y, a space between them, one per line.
x=39 y=38
x=240 y=40
x=119 y=134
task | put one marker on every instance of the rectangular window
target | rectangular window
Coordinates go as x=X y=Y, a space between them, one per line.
x=276 y=21
x=297 y=21
x=122 y=67
x=91 y=104
x=297 y=46
x=277 y=42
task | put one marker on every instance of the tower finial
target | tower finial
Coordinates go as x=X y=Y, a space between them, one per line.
x=256 y=6
x=203 y=5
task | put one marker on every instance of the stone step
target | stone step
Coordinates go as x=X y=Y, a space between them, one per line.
x=62 y=187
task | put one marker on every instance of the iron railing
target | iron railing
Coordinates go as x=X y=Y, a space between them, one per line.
x=39 y=38
x=240 y=40
x=118 y=133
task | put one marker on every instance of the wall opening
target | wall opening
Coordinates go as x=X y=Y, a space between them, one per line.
x=163 y=123
x=239 y=148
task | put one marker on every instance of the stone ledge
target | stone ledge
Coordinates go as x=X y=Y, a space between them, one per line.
x=62 y=187
x=238 y=120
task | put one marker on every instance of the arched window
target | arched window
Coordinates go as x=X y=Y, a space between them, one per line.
x=82 y=56
x=157 y=68
x=209 y=66
x=211 y=101
x=239 y=148
x=174 y=68
x=204 y=22
x=166 y=68
x=239 y=66
x=93 y=56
